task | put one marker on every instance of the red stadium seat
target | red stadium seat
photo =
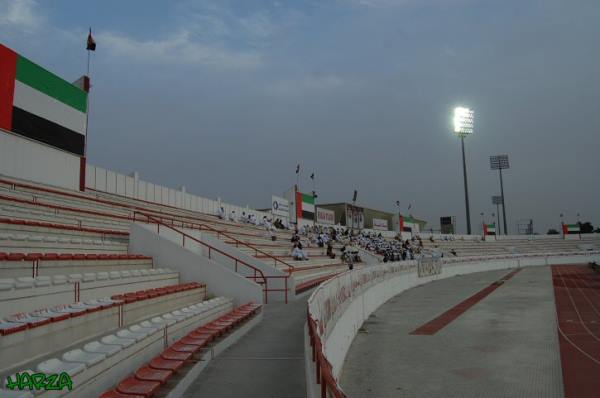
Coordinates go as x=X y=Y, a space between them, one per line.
x=175 y=355
x=148 y=374
x=116 y=394
x=131 y=385
x=165 y=364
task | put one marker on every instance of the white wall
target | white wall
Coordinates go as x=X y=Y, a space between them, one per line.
x=131 y=186
x=33 y=161
x=220 y=281
x=343 y=303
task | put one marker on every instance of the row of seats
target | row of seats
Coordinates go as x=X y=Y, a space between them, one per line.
x=152 y=376
x=61 y=227
x=26 y=336
x=69 y=256
x=22 y=321
x=95 y=364
x=29 y=293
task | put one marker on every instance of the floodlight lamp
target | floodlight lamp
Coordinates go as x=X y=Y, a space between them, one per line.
x=463 y=121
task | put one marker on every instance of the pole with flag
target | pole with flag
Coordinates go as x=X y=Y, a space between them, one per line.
x=91 y=46
x=314 y=194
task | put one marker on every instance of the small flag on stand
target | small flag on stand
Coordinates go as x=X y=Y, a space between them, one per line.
x=91 y=43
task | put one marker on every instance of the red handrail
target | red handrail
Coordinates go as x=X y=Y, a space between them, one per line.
x=237 y=260
x=201 y=226
x=324 y=372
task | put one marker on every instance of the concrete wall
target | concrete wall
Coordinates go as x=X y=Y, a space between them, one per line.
x=33 y=161
x=192 y=266
x=277 y=282
x=132 y=186
x=342 y=304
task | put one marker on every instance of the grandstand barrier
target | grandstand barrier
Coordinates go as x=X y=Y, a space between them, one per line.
x=338 y=307
x=102 y=180
x=276 y=284
x=191 y=265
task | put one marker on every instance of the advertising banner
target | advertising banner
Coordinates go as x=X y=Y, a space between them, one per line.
x=280 y=207
x=325 y=216
x=380 y=224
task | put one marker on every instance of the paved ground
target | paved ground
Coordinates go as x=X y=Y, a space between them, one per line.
x=266 y=362
x=504 y=346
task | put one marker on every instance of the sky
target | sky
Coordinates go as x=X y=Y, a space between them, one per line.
x=226 y=97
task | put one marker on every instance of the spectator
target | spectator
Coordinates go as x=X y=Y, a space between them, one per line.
x=330 y=252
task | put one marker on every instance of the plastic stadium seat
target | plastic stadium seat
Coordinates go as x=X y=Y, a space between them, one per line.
x=41 y=281
x=131 y=385
x=24 y=282
x=144 y=327
x=128 y=334
x=182 y=347
x=116 y=394
x=165 y=364
x=106 y=349
x=51 y=256
x=148 y=374
x=78 y=355
x=7 y=327
x=175 y=355
x=6 y=284
x=55 y=365
x=112 y=339
x=201 y=342
x=15 y=256
x=33 y=256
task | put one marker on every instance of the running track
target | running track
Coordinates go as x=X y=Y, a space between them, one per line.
x=577 y=296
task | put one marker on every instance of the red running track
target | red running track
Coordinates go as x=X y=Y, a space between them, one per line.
x=435 y=325
x=577 y=297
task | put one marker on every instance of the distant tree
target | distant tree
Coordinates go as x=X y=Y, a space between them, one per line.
x=552 y=231
x=586 y=227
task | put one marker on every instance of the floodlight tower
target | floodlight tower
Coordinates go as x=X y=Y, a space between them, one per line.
x=463 y=126
x=500 y=162
x=497 y=200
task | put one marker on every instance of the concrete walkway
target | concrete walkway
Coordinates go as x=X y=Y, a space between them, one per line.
x=267 y=362
x=504 y=346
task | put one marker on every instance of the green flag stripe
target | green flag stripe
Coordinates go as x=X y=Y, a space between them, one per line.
x=308 y=199
x=39 y=78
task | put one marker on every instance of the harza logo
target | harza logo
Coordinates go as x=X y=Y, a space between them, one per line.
x=39 y=381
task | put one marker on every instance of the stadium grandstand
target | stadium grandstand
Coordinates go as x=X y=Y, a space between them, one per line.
x=115 y=287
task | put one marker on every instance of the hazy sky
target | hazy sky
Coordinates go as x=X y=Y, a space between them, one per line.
x=226 y=97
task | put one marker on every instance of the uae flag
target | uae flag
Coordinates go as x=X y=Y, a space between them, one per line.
x=570 y=229
x=489 y=229
x=305 y=206
x=38 y=104
x=406 y=224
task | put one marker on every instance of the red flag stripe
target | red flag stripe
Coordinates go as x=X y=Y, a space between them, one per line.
x=8 y=70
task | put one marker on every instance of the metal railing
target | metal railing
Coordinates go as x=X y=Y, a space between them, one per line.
x=324 y=371
x=258 y=277
x=203 y=227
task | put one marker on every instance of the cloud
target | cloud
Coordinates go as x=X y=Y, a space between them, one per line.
x=398 y=3
x=19 y=14
x=178 y=48
x=293 y=87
